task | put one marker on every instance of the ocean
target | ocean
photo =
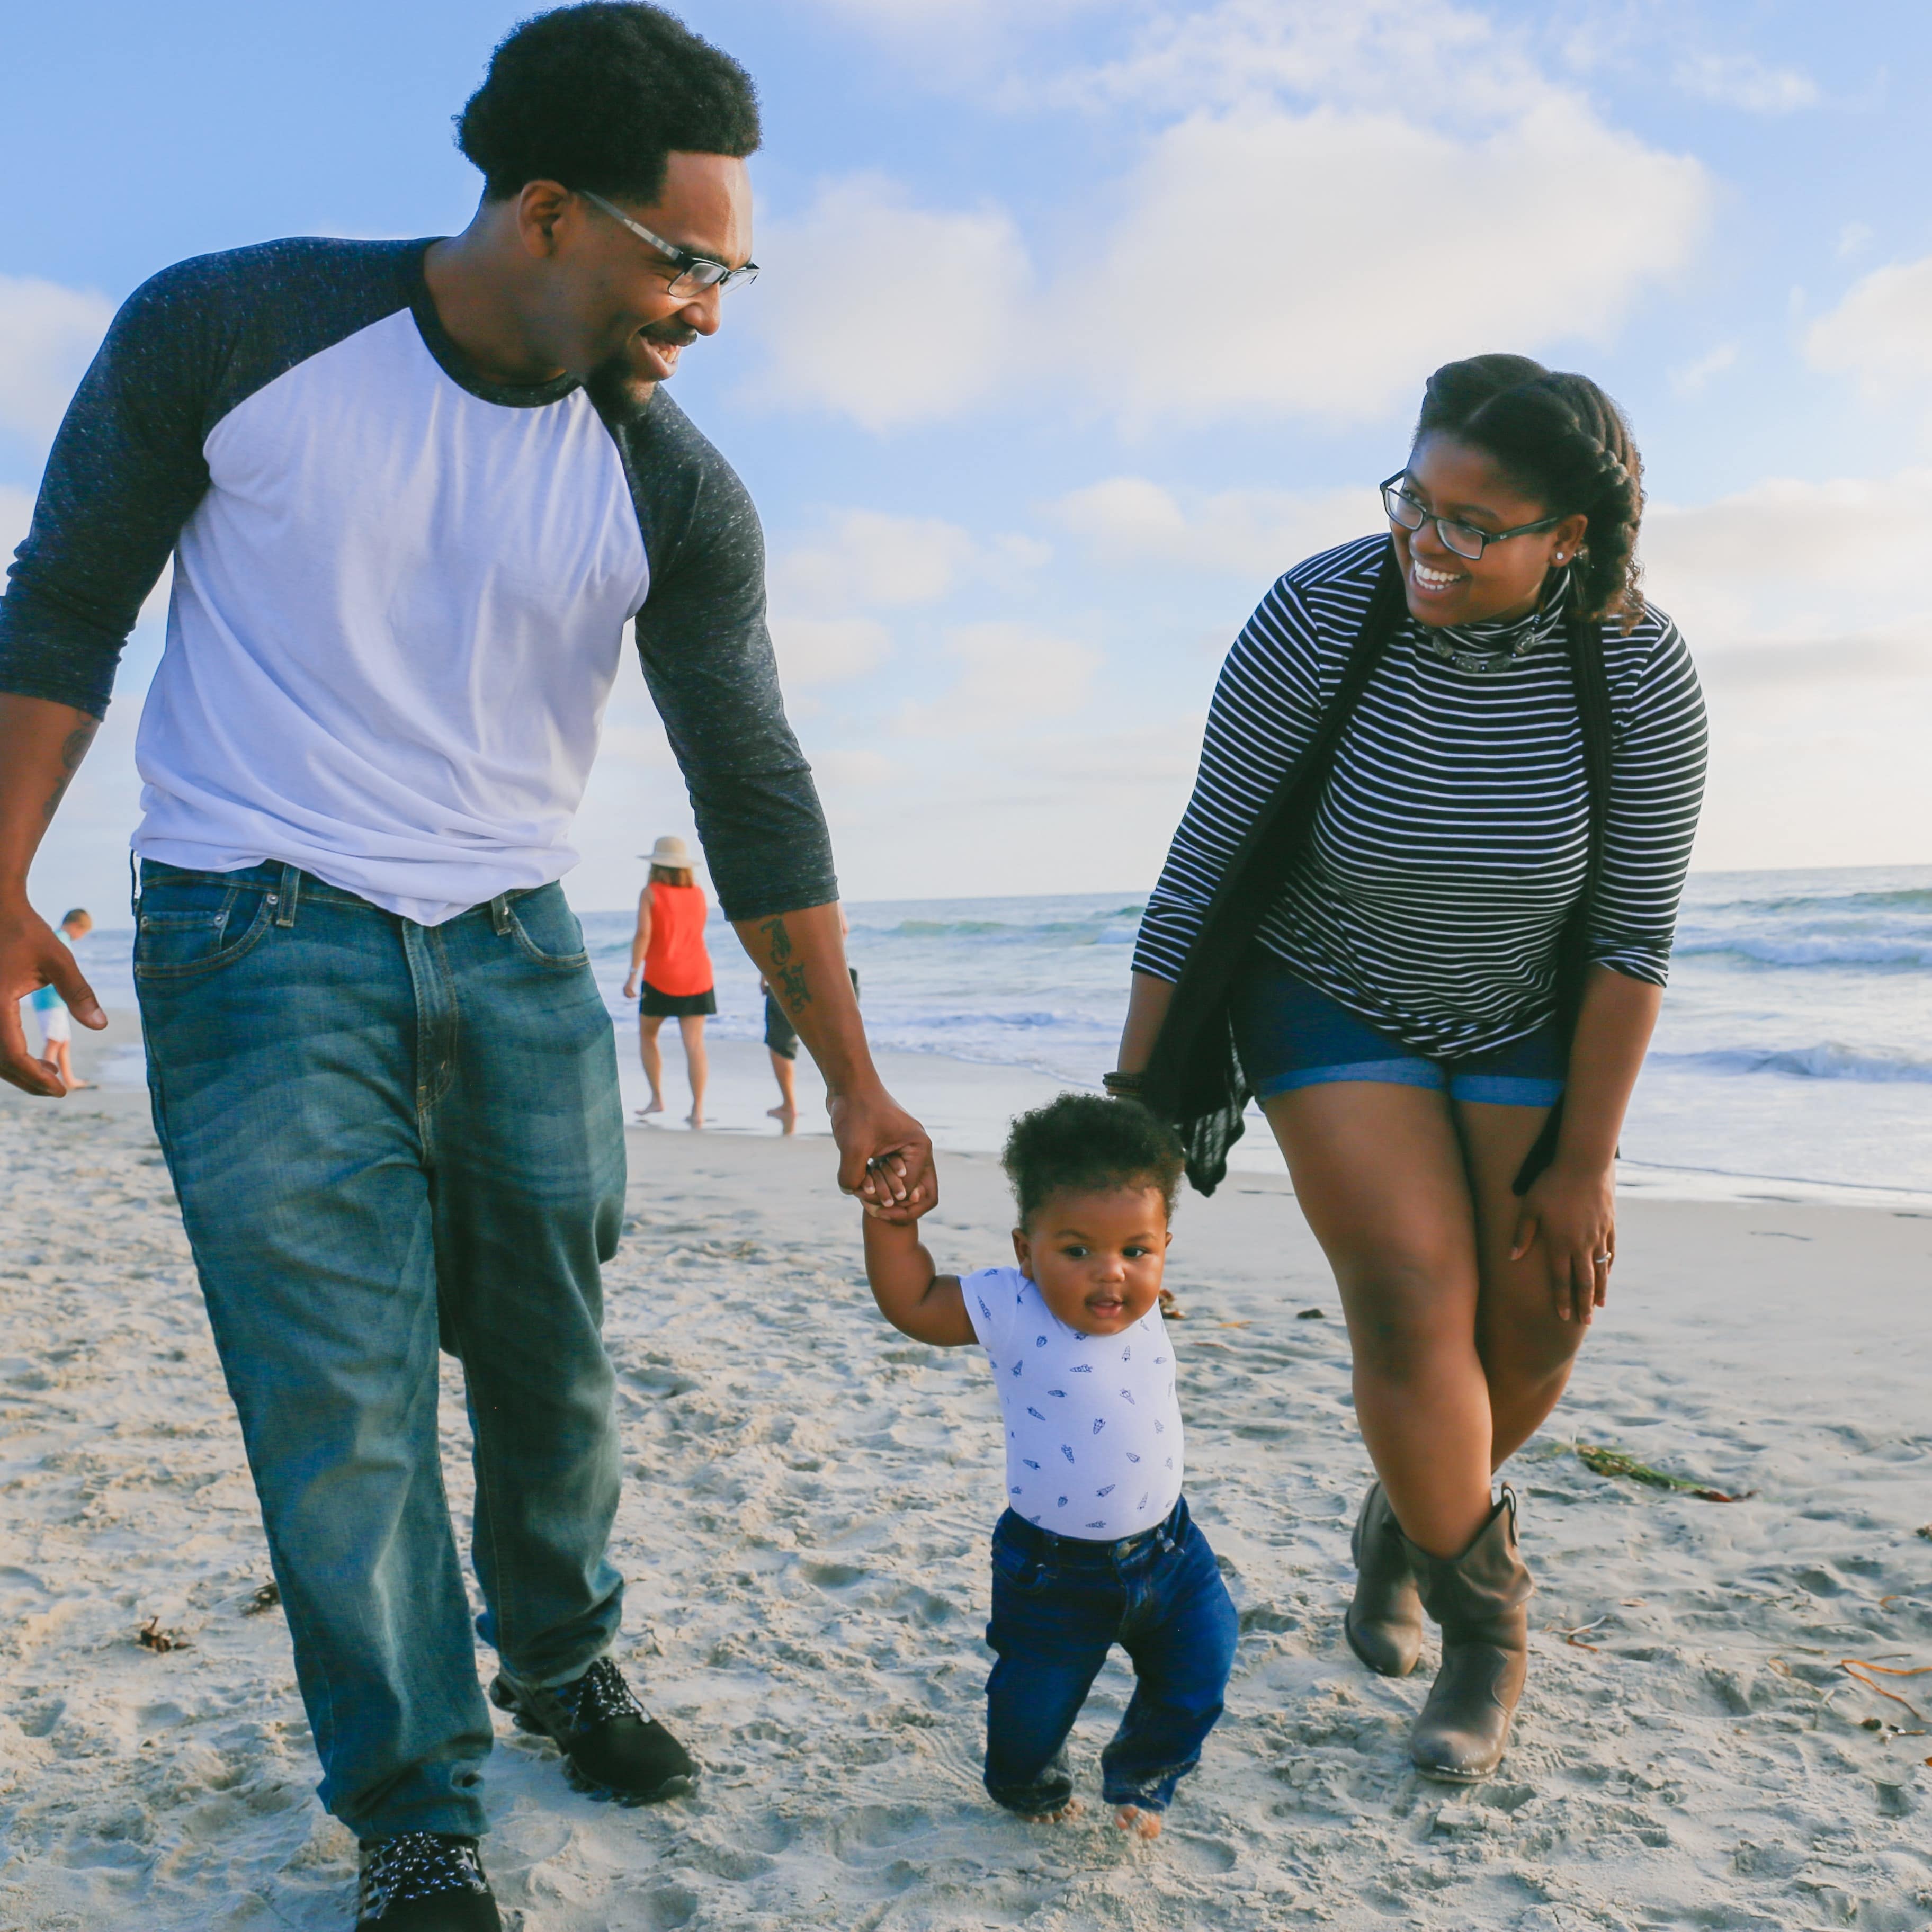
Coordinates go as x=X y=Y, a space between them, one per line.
x=1795 y=1051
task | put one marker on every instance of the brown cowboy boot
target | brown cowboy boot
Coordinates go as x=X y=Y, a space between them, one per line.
x=1481 y=1599
x=1384 y=1623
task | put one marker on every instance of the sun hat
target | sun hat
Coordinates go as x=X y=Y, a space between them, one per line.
x=671 y=854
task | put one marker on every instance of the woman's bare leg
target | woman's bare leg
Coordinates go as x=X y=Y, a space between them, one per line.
x=652 y=1056
x=1527 y=1352
x=1379 y=1172
x=692 y=1027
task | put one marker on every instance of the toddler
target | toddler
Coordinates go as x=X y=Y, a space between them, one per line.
x=1096 y=1546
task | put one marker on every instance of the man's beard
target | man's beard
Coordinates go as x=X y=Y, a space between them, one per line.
x=618 y=375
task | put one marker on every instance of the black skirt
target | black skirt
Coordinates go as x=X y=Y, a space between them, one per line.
x=658 y=1005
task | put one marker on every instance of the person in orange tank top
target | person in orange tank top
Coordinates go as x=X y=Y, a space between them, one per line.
x=668 y=948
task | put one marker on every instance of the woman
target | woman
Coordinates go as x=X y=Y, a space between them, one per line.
x=668 y=948
x=1424 y=894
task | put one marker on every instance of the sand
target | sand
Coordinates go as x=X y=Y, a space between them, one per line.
x=804 y=1522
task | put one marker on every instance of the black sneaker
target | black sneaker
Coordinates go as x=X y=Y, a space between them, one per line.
x=424 y=1882
x=613 y=1748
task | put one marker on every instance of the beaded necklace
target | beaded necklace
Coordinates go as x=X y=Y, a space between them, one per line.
x=1495 y=647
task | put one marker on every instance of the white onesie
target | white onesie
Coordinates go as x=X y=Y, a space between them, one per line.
x=1094 y=1447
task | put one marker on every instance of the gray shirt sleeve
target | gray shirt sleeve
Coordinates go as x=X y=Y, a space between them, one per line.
x=126 y=469
x=708 y=659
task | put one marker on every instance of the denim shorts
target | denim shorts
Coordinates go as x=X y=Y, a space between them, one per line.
x=1290 y=1035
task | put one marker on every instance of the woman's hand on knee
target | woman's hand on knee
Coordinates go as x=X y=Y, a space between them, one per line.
x=1571 y=1214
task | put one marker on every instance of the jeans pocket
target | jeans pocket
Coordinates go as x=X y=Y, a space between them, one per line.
x=546 y=930
x=1017 y=1569
x=197 y=927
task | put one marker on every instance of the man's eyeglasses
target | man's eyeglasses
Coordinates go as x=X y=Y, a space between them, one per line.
x=1464 y=539
x=694 y=273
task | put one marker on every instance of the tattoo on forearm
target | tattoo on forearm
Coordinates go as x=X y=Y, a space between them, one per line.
x=73 y=749
x=787 y=973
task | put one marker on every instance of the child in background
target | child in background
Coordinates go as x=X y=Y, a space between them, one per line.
x=1097 y=1546
x=50 y=1009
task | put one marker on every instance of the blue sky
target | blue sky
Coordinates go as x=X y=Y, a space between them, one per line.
x=1081 y=322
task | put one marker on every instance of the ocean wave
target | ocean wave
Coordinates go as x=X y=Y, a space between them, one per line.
x=1098 y=928
x=1826 y=1061
x=1906 y=951
x=1782 y=905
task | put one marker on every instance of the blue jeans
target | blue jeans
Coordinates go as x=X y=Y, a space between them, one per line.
x=384 y=1136
x=1059 y=1606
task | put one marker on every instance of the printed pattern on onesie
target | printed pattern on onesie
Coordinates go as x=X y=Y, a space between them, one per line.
x=1094 y=1441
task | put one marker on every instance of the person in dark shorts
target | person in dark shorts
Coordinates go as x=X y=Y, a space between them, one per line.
x=668 y=947
x=781 y=1042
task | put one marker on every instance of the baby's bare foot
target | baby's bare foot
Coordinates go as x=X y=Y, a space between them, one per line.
x=1071 y=1808
x=1144 y=1825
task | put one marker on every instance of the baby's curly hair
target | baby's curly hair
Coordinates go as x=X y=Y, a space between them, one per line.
x=1082 y=1143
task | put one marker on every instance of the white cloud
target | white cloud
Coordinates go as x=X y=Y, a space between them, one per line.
x=1287 y=242
x=1129 y=521
x=827 y=650
x=1335 y=273
x=1370 y=53
x=1795 y=590
x=865 y=560
x=1743 y=81
x=1693 y=378
x=1010 y=675
x=48 y=334
x=1882 y=331
x=869 y=557
x=922 y=322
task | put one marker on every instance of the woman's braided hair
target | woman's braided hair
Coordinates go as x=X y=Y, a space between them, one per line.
x=1565 y=443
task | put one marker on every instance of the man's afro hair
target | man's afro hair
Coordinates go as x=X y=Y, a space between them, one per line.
x=598 y=97
x=1082 y=1143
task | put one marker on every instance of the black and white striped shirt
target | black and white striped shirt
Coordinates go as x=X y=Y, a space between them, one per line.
x=1452 y=836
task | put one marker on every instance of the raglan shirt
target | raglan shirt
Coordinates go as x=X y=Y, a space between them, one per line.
x=1453 y=837
x=1094 y=1436
x=399 y=592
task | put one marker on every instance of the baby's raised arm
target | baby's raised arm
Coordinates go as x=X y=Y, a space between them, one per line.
x=915 y=1299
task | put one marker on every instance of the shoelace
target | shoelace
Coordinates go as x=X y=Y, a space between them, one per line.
x=602 y=1695
x=416 y=1864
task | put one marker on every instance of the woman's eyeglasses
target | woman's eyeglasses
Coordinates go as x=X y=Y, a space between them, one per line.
x=694 y=273
x=1464 y=539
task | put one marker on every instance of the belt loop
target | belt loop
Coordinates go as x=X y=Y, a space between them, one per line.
x=290 y=894
x=500 y=913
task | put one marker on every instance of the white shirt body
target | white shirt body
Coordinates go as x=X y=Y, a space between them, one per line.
x=1094 y=1436
x=397 y=616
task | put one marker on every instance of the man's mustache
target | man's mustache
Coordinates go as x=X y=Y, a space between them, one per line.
x=673 y=335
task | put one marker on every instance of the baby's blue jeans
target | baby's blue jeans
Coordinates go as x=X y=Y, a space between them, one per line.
x=386 y=1135
x=1060 y=1604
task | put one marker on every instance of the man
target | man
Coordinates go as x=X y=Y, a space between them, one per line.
x=412 y=491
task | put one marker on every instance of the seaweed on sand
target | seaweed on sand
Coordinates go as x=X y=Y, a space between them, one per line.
x=1618 y=1462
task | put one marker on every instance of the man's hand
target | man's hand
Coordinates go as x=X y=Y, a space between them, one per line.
x=885 y=1157
x=31 y=957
